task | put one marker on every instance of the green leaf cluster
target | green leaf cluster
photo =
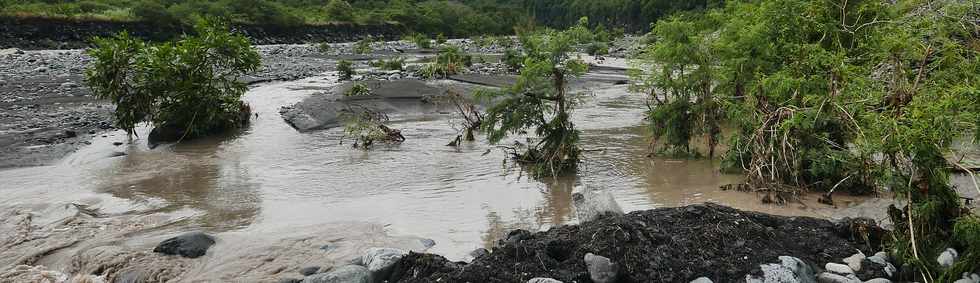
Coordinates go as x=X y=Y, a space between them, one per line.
x=192 y=84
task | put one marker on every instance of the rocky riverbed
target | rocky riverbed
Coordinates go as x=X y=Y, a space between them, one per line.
x=284 y=215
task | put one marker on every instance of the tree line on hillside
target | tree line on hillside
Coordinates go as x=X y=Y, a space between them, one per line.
x=453 y=18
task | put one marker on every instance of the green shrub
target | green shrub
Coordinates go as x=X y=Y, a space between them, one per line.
x=513 y=59
x=597 y=48
x=345 y=70
x=323 y=47
x=359 y=89
x=420 y=40
x=363 y=46
x=450 y=61
x=191 y=84
x=390 y=64
x=441 y=38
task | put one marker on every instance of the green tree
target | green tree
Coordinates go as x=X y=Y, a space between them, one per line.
x=539 y=100
x=191 y=84
x=340 y=10
x=677 y=72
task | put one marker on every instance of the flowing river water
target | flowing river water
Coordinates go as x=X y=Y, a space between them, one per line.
x=272 y=179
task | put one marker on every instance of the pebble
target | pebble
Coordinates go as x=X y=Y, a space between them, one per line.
x=828 y=277
x=947 y=258
x=838 y=268
x=601 y=269
x=854 y=261
x=189 y=245
x=309 y=270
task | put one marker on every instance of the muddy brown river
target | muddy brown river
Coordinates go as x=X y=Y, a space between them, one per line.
x=272 y=179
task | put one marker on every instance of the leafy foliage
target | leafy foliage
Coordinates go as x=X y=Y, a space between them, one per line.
x=681 y=86
x=191 y=83
x=339 y=10
x=345 y=70
x=358 y=89
x=366 y=127
x=834 y=95
x=539 y=100
x=396 y=63
x=451 y=60
x=363 y=46
x=420 y=40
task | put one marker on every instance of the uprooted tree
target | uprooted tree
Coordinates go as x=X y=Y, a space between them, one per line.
x=540 y=101
x=858 y=96
x=366 y=127
x=190 y=85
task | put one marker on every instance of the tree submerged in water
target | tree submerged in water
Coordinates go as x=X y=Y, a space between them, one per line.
x=191 y=85
x=540 y=100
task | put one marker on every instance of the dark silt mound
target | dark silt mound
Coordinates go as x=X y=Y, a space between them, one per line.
x=660 y=245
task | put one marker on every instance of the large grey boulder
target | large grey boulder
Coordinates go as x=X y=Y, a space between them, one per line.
x=189 y=245
x=343 y=274
x=789 y=270
x=590 y=204
x=379 y=261
x=601 y=269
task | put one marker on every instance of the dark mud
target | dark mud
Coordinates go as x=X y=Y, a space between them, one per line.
x=660 y=245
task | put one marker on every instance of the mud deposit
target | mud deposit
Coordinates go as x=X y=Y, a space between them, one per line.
x=660 y=245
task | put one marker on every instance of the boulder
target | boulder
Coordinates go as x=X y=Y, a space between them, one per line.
x=343 y=274
x=164 y=134
x=379 y=261
x=543 y=280
x=601 y=269
x=790 y=269
x=189 y=245
x=590 y=204
x=702 y=280
x=878 y=280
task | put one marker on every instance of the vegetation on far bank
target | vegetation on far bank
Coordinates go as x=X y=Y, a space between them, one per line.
x=452 y=18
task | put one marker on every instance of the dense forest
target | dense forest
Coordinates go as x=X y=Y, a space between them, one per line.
x=456 y=18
